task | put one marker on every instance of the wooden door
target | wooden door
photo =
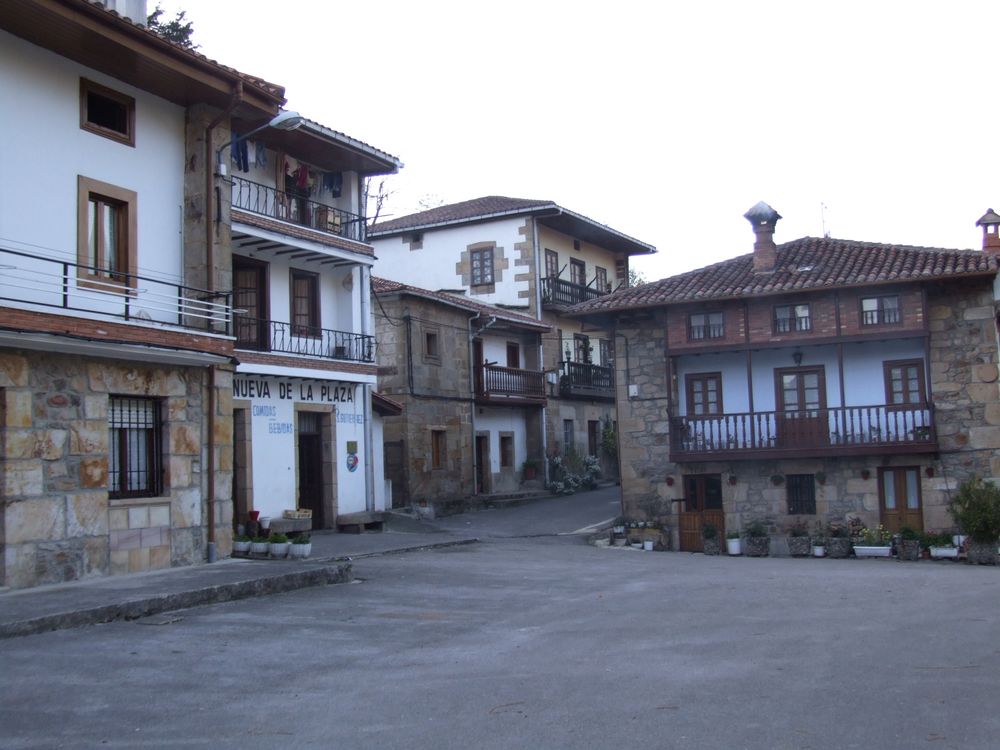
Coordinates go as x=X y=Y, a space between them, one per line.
x=801 y=420
x=477 y=364
x=702 y=505
x=482 y=464
x=310 y=465
x=899 y=498
x=250 y=299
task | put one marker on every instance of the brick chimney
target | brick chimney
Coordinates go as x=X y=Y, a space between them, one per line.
x=990 y=222
x=763 y=218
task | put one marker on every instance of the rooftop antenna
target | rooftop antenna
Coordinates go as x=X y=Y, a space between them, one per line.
x=822 y=213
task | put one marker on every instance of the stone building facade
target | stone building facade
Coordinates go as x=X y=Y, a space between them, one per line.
x=887 y=451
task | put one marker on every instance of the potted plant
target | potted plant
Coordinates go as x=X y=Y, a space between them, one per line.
x=618 y=526
x=873 y=542
x=710 y=539
x=909 y=544
x=529 y=470
x=838 y=542
x=940 y=546
x=798 y=540
x=976 y=510
x=758 y=543
x=733 y=543
x=259 y=545
x=241 y=544
x=301 y=546
x=279 y=545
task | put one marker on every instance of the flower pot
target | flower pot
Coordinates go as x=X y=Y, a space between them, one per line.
x=908 y=550
x=710 y=546
x=819 y=550
x=943 y=553
x=279 y=549
x=838 y=547
x=259 y=548
x=981 y=553
x=757 y=546
x=647 y=545
x=798 y=546
x=299 y=550
x=241 y=548
x=734 y=546
x=864 y=550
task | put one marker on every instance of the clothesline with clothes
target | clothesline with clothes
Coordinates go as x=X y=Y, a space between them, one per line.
x=303 y=177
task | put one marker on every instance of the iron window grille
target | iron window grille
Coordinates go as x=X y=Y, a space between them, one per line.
x=801 y=490
x=135 y=465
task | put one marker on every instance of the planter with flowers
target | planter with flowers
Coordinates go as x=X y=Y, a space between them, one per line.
x=756 y=541
x=908 y=547
x=838 y=541
x=940 y=546
x=241 y=545
x=301 y=547
x=873 y=542
x=278 y=545
x=798 y=540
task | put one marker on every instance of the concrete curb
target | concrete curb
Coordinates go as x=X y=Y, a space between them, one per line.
x=157 y=603
x=400 y=550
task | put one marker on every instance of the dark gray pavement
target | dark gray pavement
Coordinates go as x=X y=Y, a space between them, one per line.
x=128 y=597
x=537 y=643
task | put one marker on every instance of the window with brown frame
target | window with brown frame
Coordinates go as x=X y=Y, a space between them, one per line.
x=904 y=382
x=305 y=303
x=577 y=272
x=704 y=394
x=601 y=279
x=107 y=112
x=506 y=450
x=706 y=326
x=135 y=465
x=788 y=318
x=481 y=261
x=438 y=448
x=513 y=354
x=593 y=437
x=551 y=264
x=106 y=233
x=877 y=311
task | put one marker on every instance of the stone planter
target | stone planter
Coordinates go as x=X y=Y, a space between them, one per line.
x=757 y=546
x=799 y=546
x=982 y=553
x=838 y=547
x=908 y=550
x=710 y=546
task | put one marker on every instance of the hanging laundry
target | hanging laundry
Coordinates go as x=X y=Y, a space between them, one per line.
x=334 y=182
x=260 y=154
x=239 y=152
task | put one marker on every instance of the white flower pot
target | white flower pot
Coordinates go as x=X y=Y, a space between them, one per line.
x=940 y=553
x=241 y=547
x=818 y=550
x=279 y=549
x=299 y=550
x=259 y=548
x=734 y=546
x=866 y=551
x=647 y=545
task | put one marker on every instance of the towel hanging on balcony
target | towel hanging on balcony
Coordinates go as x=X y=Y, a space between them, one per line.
x=239 y=152
x=334 y=182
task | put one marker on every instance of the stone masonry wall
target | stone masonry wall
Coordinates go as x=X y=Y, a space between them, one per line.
x=58 y=522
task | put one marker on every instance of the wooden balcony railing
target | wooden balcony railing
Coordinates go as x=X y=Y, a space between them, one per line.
x=564 y=293
x=262 y=335
x=581 y=380
x=495 y=383
x=278 y=204
x=834 y=431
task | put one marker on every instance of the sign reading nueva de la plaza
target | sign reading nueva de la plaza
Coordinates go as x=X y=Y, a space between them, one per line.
x=333 y=392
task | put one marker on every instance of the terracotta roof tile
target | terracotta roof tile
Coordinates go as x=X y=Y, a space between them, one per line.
x=385 y=286
x=489 y=205
x=805 y=264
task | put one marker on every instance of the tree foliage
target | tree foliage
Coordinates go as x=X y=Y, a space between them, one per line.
x=178 y=30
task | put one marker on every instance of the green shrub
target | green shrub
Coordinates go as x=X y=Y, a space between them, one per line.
x=278 y=539
x=302 y=539
x=976 y=510
x=709 y=531
x=755 y=529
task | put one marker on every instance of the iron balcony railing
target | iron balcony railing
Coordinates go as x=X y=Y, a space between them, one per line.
x=258 y=334
x=287 y=206
x=559 y=292
x=39 y=281
x=512 y=383
x=837 y=430
x=586 y=380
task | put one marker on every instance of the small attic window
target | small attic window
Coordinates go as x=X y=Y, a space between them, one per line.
x=107 y=113
x=576 y=244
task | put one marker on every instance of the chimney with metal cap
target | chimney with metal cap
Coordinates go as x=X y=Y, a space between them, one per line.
x=990 y=222
x=763 y=218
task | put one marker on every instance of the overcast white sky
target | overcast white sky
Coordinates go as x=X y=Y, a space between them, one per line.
x=666 y=121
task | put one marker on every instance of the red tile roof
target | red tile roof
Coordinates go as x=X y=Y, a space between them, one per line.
x=810 y=263
x=384 y=286
x=477 y=208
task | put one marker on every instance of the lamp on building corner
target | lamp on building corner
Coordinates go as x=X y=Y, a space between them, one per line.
x=284 y=120
x=797 y=357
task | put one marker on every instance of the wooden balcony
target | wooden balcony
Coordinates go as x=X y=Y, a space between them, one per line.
x=580 y=380
x=557 y=293
x=257 y=334
x=838 y=431
x=509 y=385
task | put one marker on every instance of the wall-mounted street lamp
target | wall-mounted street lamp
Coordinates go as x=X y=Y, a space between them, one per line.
x=284 y=120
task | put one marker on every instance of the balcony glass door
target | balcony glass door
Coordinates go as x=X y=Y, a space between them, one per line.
x=801 y=397
x=250 y=304
x=899 y=498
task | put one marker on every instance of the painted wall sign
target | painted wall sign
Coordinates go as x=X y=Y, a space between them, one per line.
x=287 y=390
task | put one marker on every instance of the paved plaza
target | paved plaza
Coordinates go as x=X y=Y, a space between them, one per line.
x=537 y=643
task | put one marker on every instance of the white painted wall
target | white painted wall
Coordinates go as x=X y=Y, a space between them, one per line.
x=272 y=435
x=272 y=175
x=495 y=420
x=434 y=266
x=591 y=255
x=43 y=150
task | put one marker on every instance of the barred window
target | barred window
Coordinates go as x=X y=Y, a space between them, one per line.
x=801 y=494
x=482 y=266
x=134 y=463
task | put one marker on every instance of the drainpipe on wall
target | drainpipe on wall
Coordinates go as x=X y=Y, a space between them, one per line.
x=364 y=285
x=472 y=411
x=541 y=346
x=237 y=96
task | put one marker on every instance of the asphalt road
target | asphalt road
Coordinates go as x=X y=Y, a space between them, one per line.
x=538 y=643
